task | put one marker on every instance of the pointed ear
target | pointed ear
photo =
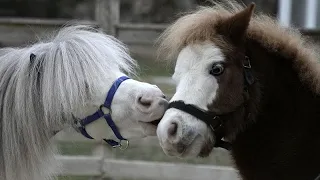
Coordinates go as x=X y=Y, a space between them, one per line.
x=235 y=26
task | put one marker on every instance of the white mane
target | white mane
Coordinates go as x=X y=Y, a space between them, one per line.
x=36 y=97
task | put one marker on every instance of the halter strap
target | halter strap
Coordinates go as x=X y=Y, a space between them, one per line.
x=211 y=119
x=105 y=112
x=206 y=116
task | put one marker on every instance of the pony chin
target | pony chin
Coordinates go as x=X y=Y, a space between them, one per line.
x=196 y=149
x=149 y=129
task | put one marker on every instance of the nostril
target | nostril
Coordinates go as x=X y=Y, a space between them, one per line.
x=173 y=128
x=145 y=101
x=163 y=96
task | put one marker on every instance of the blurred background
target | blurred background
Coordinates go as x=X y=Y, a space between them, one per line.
x=137 y=23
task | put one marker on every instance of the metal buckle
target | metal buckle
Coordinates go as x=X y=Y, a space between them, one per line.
x=78 y=124
x=246 y=63
x=105 y=110
x=219 y=125
x=123 y=144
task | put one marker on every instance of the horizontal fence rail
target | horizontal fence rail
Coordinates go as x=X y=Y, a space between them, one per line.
x=94 y=166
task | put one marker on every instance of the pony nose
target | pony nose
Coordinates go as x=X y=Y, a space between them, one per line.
x=149 y=104
x=172 y=130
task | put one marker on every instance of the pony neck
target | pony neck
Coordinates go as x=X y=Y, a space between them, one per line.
x=286 y=124
x=278 y=91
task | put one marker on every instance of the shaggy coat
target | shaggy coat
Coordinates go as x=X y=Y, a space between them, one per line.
x=280 y=139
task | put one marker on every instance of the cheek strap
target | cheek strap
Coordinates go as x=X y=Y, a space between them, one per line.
x=105 y=112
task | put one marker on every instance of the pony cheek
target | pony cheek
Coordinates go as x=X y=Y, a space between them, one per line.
x=148 y=129
x=123 y=114
x=131 y=131
x=97 y=129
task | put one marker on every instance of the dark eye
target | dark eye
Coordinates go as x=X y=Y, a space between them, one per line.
x=217 y=69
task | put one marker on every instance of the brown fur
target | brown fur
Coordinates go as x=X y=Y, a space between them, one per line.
x=280 y=139
x=200 y=26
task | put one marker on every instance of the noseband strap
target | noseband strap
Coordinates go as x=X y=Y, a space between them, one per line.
x=206 y=116
x=211 y=119
x=105 y=112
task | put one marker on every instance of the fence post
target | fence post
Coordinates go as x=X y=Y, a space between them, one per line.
x=103 y=152
x=107 y=14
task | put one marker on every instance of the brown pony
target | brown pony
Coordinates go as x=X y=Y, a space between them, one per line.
x=243 y=78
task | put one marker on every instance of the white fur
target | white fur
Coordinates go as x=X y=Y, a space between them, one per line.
x=70 y=76
x=194 y=85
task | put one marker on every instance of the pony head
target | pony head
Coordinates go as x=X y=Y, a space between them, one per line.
x=209 y=47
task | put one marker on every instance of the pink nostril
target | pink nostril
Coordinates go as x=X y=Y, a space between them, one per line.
x=146 y=102
x=172 y=131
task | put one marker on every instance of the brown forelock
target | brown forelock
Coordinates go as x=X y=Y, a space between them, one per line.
x=201 y=25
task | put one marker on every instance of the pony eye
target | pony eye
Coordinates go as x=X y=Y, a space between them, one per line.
x=217 y=69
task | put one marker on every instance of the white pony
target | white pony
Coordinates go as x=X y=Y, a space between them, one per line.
x=54 y=83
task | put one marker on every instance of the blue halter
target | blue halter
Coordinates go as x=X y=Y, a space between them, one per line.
x=105 y=111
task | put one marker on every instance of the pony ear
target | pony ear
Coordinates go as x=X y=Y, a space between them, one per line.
x=235 y=26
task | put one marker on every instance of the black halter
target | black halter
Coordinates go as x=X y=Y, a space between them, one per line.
x=213 y=120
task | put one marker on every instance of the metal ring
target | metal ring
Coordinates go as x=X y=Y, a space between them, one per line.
x=123 y=144
x=211 y=127
x=247 y=64
x=105 y=110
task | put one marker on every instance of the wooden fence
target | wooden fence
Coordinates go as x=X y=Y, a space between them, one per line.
x=139 y=37
x=106 y=168
x=101 y=164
